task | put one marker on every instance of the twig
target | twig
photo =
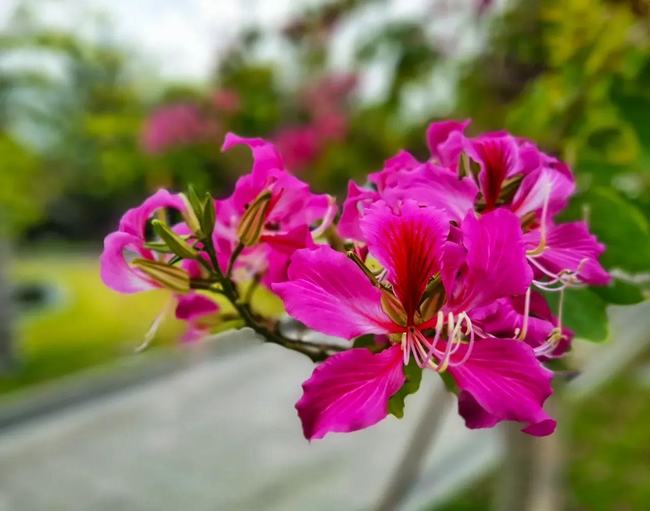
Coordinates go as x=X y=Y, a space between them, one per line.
x=315 y=351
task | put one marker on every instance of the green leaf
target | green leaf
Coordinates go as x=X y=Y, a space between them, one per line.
x=413 y=375
x=619 y=292
x=584 y=312
x=621 y=227
x=365 y=341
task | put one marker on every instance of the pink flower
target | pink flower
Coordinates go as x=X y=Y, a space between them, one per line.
x=499 y=379
x=500 y=158
x=197 y=310
x=501 y=171
x=176 y=125
x=294 y=217
x=299 y=145
x=129 y=240
x=404 y=177
x=226 y=100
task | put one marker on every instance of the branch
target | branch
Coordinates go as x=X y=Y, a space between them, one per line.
x=317 y=352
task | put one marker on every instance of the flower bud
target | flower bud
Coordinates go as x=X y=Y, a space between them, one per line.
x=208 y=216
x=174 y=242
x=433 y=298
x=253 y=219
x=392 y=307
x=170 y=277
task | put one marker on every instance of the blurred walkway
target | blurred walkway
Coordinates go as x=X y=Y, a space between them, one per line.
x=220 y=436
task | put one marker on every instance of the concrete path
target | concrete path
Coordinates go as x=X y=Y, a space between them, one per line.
x=221 y=435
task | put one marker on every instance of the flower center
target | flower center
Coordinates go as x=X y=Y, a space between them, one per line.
x=439 y=353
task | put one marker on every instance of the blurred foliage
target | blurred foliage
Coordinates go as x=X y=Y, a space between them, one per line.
x=75 y=327
x=62 y=335
x=607 y=465
x=574 y=75
x=84 y=137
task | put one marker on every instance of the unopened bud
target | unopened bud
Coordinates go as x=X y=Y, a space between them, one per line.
x=170 y=277
x=208 y=216
x=432 y=299
x=393 y=307
x=176 y=244
x=253 y=220
x=468 y=167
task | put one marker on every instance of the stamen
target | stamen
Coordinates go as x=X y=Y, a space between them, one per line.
x=470 y=346
x=524 y=326
x=541 y=246
x=565 y=278
x=556 y=335
x=328 y=218
x=405 y=350
x=433 y=345
x=150 y=335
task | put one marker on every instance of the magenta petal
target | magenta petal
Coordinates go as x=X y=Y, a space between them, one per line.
x=445 y=140
x=280 y=249
x=135 y=219
x=265 y=156
x=436 y=186
x=328 y=293
x=544 y=184
x=357 y=200
x=572 y=247
x=502 y=380
x=408 y=243
x=394 y=169
x=495 y=264
x=115 y=271
x=350 y=391
x=193 y=306
x=498 y=158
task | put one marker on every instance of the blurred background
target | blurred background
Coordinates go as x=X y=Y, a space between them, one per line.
x=104 y=101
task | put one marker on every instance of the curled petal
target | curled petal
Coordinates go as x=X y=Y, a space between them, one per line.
x=540 y=186
x=265 y=156
x=330 y=294
x=134 y=221
x=350 y=391
x=356 y=201
x=502 y=380
x=445 y=140
x=292 y=204
x=194 y=308
x=571 y=247
x=116 y=272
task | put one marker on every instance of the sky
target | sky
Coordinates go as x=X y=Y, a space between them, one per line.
x=182 y=38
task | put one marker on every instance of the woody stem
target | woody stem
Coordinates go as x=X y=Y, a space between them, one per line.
x=315 y=351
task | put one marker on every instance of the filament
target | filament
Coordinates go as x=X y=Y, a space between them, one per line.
x=150 y=335
x=524 y=326
x=541 y=246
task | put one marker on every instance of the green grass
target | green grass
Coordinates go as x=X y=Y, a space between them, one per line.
x=87 y=324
